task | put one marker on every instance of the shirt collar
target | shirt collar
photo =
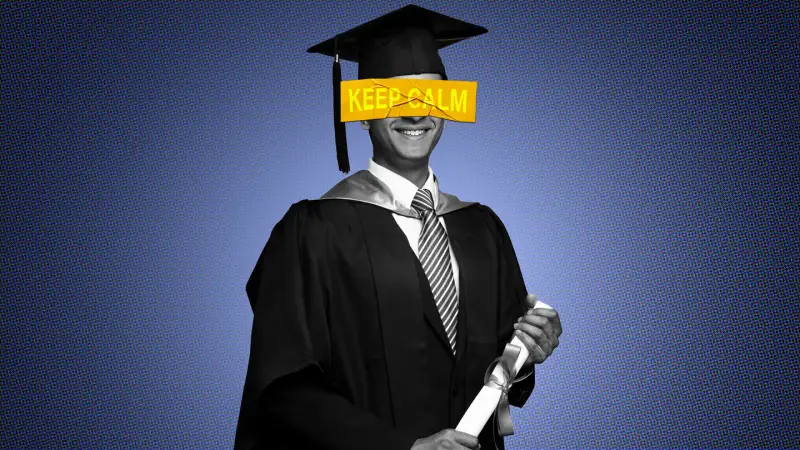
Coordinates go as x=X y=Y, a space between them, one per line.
x=402 y=189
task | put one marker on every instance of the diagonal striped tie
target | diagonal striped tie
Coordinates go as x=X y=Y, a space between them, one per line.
x=434 y=255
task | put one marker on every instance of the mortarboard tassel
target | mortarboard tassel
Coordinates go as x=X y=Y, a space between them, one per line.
x=338 y=125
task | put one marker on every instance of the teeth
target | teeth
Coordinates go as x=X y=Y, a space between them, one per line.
x=412 y=132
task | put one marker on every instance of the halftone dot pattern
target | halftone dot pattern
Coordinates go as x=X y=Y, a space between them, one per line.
x=643 y=158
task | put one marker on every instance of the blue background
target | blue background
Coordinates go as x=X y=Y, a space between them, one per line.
x=643 y=158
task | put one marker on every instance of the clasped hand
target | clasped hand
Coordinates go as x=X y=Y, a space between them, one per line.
x=447 y=440
x=539 y=330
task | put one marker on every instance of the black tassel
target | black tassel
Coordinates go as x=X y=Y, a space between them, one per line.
x=338 y=125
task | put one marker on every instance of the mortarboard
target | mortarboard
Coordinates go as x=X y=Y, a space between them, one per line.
x=403 y=42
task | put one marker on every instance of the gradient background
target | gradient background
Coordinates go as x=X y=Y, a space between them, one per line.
x=643 y=158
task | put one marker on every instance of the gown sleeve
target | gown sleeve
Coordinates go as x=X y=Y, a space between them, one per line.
x=512 y=303
x=287 y=401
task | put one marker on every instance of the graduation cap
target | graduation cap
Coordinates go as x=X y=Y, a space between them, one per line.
x=403 y=42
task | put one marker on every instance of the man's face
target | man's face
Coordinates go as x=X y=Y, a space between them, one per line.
x=404 y=141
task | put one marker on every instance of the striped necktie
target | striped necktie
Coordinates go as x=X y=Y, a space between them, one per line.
x=434 y=255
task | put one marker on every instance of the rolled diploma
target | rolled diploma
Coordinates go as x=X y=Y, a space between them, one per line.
x=488 y=398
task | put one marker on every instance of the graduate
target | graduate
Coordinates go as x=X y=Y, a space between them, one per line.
x=379 y=306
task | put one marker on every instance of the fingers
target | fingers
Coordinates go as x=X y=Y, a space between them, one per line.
x=464 y=438
x=540 y=322
x=535 y=319
x=557 y=325
x=539 y=329
x=538 y=338
x=552 y=317
x=548 y=313
x=537 y=353
x=450 y=445
x=461 y=440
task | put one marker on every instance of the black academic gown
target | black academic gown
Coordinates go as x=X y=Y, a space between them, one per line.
x=348 y=350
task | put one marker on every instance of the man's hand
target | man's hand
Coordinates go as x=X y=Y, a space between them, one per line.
x=447 y=439
x=539 y=330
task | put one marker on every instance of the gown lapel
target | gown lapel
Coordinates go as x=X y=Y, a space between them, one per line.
x=477 y=311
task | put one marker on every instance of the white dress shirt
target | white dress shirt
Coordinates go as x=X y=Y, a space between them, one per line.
x=404 y=192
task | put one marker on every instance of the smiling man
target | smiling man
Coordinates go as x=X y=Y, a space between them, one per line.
x=378 y=307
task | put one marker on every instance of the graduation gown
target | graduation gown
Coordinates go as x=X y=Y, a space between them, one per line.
x=348 y=350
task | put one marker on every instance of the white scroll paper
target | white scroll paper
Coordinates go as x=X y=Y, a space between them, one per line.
x=488 y=398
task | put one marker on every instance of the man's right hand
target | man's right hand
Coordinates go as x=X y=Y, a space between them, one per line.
x=447 y=440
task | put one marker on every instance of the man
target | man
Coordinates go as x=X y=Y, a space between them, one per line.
x=378 y=307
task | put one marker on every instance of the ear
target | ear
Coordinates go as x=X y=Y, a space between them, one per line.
x=365 y=124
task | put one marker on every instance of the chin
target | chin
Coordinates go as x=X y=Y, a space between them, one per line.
x=413 y=149
x=413 y=153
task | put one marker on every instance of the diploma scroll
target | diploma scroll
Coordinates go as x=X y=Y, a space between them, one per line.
x=492 y=393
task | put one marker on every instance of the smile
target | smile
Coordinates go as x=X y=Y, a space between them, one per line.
x=410 y=133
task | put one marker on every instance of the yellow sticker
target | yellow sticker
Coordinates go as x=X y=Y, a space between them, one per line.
x=379 y=98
